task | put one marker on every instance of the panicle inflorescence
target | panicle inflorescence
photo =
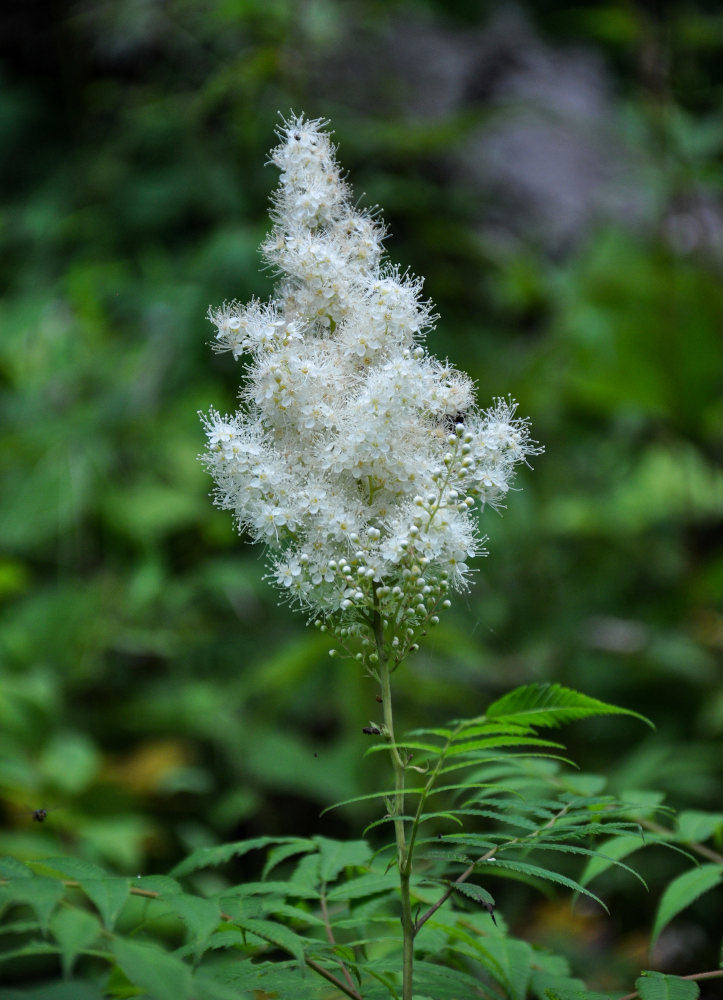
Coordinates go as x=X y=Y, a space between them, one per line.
x=356 y=457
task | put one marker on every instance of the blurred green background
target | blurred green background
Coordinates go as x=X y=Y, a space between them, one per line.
x=554 y=172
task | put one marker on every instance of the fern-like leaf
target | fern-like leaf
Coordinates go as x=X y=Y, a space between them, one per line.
x=552 y=705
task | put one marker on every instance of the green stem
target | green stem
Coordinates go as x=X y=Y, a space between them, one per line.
x=404 y=855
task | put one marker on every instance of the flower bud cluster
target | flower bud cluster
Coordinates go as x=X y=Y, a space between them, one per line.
x=356 y=456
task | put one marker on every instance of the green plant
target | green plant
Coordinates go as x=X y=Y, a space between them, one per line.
x=479 y=799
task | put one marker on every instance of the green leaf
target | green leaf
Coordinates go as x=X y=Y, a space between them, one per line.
x=201 y=917
x=547 y=987
x=478 y=894
x=496 y=742
x=29 y=950
x=281 y=979
x=161 y=884
x=212 y=857
x=75 y=989
x=430 y=748
x=694 y=826
x=207 y=986
x=306 y=875
x=608 y=853
x=365 y=885
x=511 y=965
x=336 y=855
x=284 y=851
x=534 y=871
x=292 y=889
x=12 y=868
x=74 y=930
x=443 y=983
x=276 y=934
x=682 y=891
x=552 y=705
x=160 y=974
x=658 y=986
x=108 y=896
x=75 y=869
x=370 y=796
x=40 y=893
x=275 y=907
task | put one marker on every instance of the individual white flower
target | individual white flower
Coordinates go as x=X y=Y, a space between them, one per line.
x=356 y=457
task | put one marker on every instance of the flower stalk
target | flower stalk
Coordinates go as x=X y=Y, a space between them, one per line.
x=356 y=457
x=396 y=807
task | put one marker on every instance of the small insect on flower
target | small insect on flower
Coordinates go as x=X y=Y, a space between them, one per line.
x=452 y=419
x=372 y=730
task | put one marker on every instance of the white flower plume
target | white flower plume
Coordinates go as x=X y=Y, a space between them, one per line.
x=356 y=456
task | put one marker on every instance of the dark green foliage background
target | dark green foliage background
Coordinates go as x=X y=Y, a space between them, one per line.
x=150 y=687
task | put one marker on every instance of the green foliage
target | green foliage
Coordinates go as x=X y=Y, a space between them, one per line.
x=152 y=695
x=682 y=891
x=550 y=705
x=657 y=986
x=323 y=914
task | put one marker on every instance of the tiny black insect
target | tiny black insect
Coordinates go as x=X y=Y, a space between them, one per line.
x=452 y=419
x=372 y=730
x=38 y=815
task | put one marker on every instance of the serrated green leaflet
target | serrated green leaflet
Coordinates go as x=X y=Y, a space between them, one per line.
x=365 y=885
x=445 y=983
x=12 y=868
x=40 y=893
x=160 y=974
x=369 y=797
x=284 y=851
x=108 y=895
x=497 y=742
x=536 y=872
x=683 y=891
x=694 y=825
x=552 y=705
x=513 y=959
x=548 y=987
x=294 y=889
x=212 y=857
x=70 y=868
x=275 y=934
x=476 y=893
x=201 y=917
x=335 y=855
x=658 y=986
x=609 y=853
x=280 y=978
x=74 y=930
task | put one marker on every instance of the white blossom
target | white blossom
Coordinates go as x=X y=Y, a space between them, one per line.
x=356 y=457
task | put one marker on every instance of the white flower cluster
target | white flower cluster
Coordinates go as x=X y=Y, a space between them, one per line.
x=356 y=456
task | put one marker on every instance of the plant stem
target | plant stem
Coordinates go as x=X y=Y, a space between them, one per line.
x=332 y=942
x=404 y=855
